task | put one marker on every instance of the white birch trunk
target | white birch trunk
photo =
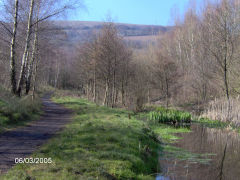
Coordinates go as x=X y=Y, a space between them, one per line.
x=27 y=44
x=12 y=53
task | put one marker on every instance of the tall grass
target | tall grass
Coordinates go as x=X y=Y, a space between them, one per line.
x=16 y=111
x=220 y=110
x=162 y=115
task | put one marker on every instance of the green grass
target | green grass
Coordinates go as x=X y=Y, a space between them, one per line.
x=168 y=134
x=211 y=123
x=16 y=111
x=101 y=143
x=162 y=115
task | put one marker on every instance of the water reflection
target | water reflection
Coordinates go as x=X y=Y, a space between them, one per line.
x=225 y=164
x=162 y=178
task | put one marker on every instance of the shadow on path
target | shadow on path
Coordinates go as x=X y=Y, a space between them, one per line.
x=22 y=142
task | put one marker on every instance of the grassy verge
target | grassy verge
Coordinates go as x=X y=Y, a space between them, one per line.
x=101 y=143
x=17 y=112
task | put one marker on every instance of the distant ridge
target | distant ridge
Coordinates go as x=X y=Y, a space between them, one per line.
x=80 y=31
x=86 y=25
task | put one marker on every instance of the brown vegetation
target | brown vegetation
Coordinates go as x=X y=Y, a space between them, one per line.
x=192 y=64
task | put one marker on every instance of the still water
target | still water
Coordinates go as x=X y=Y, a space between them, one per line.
x=219 y=157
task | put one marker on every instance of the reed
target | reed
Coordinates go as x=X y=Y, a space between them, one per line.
x=224 y=111
x=162 y=115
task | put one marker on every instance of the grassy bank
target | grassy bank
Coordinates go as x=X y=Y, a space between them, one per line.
x=15 y=111
x=101 y=143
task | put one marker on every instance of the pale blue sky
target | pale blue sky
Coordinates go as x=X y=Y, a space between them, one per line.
x=156 y=12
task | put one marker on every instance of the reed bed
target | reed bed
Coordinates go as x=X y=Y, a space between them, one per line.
x=224 y=110
x=162 y=115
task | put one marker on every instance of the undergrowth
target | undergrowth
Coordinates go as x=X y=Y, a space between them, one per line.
x=16 y=111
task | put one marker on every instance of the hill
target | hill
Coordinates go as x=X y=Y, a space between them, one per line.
x=80 y=31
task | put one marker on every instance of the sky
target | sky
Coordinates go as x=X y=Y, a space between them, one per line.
x=148 y=12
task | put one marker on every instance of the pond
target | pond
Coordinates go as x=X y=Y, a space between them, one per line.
x=203 y=154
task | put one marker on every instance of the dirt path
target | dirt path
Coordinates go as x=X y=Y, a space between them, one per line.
x=24 y=141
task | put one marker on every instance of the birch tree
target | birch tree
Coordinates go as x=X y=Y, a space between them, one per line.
x=13 y=54
x=26 y=50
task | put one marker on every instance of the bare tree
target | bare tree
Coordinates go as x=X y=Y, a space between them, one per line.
x=223 y=31
x=12 y=55
x=26 y=50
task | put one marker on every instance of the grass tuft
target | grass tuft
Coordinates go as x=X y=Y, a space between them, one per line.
x=162 y=115
x=16 y=111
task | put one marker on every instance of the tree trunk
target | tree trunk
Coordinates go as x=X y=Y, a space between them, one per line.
x=30 y=67
x=27 y=44
x=123 y=94
x=116 y=96
x=94 y=85
x=148 y=95
x=57 y=75
x=226 y=75
x=227 y=89
x=167 y=91
x=226 y=78
x=12 y=54
x=88 y=90
x=35 y=74
x=114 y=88
x=105 y=101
